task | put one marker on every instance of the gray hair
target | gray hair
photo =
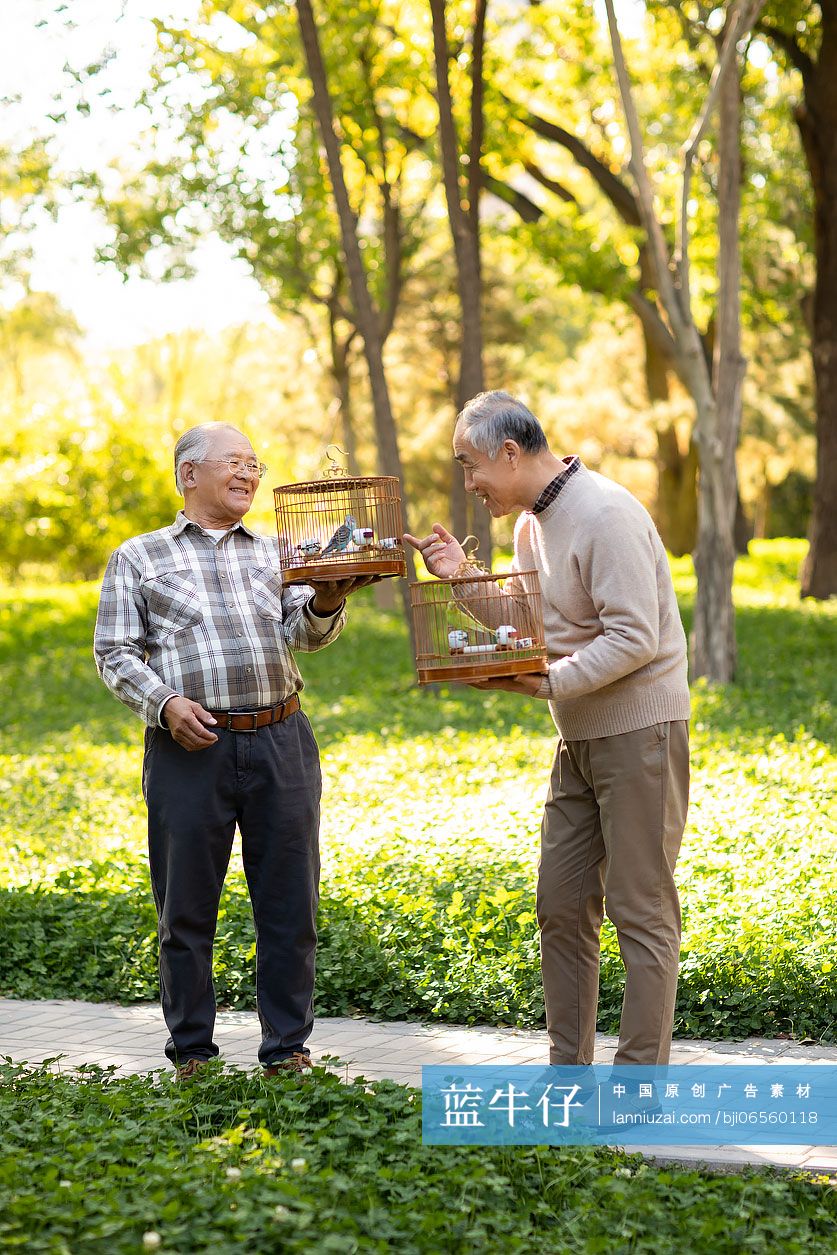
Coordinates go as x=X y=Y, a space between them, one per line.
x=194 y=445
x=492 y=417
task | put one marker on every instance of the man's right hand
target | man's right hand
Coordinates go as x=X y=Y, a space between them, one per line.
x=187 y=722
x=441 y=551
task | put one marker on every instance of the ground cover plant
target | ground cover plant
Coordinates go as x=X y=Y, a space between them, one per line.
x=96 y=1164
x=430 y=827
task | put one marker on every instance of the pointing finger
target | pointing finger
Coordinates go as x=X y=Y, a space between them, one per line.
x=443 y=533
x=420 y=544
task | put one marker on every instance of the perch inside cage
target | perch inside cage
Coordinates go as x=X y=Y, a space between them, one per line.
x=477 y=626
x=338 y=527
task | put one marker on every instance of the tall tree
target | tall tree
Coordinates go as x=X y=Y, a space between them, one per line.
x=811 y=48
x=553 y=137
x=368 y=317
x=676 y=505
x=716 y=393
x=464 y=217
x=31 y=321
x=239 y=154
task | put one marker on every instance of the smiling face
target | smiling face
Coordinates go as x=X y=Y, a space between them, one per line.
x=496 y=481
x=216 y=496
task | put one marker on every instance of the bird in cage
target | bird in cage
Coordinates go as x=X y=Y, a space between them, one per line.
x=363 y=537
x=341 y=538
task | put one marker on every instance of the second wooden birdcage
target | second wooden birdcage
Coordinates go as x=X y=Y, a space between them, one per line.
x=338 y=527
x=477 y=626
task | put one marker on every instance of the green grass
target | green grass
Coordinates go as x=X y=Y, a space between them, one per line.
x=430 y=827
x=102 y=1166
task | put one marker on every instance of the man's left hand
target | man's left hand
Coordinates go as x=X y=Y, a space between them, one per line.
x=528 y=684
x=329 y=595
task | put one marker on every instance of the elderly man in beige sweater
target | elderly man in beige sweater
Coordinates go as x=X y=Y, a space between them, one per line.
x=617 y=689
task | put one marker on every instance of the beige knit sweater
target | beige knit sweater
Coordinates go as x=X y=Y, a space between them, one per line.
x=616 y=645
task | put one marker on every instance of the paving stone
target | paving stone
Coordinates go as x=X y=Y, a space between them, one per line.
x=820 y=1159
x=131 y=1039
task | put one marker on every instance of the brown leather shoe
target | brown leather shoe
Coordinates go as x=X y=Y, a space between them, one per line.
x=189 y=1070
x=297 y=1062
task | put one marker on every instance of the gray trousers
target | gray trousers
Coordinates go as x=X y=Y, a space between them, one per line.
x=268 y=783
x=611 y=833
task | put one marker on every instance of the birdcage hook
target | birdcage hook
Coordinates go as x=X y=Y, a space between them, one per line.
x=334 y=470
x=471 y=562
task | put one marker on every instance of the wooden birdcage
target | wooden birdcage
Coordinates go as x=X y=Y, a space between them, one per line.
x=340 y=526
x=476 y=626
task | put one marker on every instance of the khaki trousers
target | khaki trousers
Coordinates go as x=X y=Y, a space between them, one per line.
x=610 y=837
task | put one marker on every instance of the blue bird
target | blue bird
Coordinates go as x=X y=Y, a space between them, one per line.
x=340 y=539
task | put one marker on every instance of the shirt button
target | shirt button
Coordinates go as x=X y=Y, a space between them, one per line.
x=249 y=669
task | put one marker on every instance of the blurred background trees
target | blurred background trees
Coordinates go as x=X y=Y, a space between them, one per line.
x=226 y=145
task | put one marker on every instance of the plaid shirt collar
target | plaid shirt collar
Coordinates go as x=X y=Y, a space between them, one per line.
x=181 y=522
x=555 y=485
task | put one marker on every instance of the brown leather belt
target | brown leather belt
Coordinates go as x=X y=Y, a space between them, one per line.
x=252 y=720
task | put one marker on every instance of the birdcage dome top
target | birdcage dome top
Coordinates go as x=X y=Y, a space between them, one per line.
x=342 y=483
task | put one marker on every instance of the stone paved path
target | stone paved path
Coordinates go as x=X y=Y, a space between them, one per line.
x=132 y=1038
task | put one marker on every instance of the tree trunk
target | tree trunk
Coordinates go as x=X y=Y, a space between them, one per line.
x=817 y=121
x=713 y=631
x=819 y=571
x=464 y=226
x=367 y=317
x=716 y=429
x=458 y=502
x=676 y=507
x=713 y=649
x=339 y=369
x=761 y=522
x=343 y=392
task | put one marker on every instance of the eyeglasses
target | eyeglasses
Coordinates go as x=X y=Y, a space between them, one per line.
x=238 y=467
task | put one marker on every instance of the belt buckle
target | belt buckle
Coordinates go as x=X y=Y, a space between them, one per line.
x=242 y=714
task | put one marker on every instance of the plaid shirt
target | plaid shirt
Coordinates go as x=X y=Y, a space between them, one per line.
x=180 y=615
x=555 y=485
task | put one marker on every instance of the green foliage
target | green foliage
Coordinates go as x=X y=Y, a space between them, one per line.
x=231 y=1162
x=87 y=460
x=248 y=162
x=78 y=489
x=231 y=150
x=430 y=827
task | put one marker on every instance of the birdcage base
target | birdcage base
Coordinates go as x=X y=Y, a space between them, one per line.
x=344 y=569
x=505 y=666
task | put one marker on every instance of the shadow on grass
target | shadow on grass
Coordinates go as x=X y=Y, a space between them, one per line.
x=48 y=676
x=364 y=684
x=785 y=681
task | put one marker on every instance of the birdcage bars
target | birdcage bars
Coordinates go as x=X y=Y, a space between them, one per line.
x=478 y=626
x=340 y=527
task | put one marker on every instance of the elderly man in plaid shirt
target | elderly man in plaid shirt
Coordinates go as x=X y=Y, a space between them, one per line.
x=194 y=633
